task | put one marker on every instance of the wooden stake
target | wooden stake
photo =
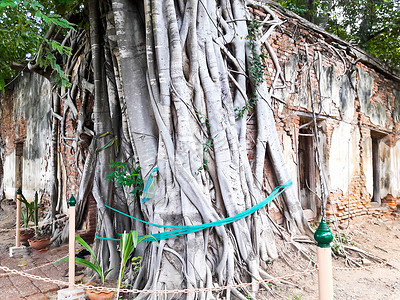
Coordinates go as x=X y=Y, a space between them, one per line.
x=71 y=274
x=324 y=237
x=325 y=280
x=17 y=227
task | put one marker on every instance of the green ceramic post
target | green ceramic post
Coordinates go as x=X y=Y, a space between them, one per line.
x=72 y=201
x=323 y=235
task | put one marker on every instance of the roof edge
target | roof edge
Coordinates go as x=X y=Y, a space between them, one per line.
x=359 y=54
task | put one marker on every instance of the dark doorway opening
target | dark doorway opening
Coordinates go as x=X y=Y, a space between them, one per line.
x=376 y=165
x=307 y=172
x=19 y=149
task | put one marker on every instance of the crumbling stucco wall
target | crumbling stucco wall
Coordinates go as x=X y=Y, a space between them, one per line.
x=26 y=112
x=390 y=166
x=355 y=101
x=26 y=118
x=343 y=157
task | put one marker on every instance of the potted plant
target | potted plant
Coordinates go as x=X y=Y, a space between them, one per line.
x=95 y=266
x=41 y=239
x=26 y=214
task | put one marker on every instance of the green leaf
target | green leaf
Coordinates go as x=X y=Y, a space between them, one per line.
x=87 y=247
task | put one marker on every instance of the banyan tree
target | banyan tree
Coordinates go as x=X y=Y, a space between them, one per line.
x=162 y=91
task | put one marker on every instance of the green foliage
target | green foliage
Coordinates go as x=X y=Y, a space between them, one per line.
x=204 y=166
x=111 y=142
x=207 y=146
x=314 y=226
x=127 y=175
x=23 y=25
x=296 y=297
x=93 y=266
x=372 y=25
x=339 y=239
x=128 y=243
x=258 y=61
x=31 y=211
x=203 y=119
x=239 y=112
x=257 y=67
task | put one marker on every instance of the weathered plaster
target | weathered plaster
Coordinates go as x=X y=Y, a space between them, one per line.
x=303 y=97
x=390 y=169
x=378 y=114
x=290 y=159
x=364 y=90
x=343 y=157
x=396 y=110
x=367 y=167
x=376 y=111
x=326 y=81
x=347 y=96
x=290 y=70
x=32 y=103
x=9 y=178
x=290 y=74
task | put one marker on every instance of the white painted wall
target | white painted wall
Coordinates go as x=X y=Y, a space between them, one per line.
x=390 y=169
x=290 y=159
x=32 y=102
x=344 y=156
x=367 y=165
x=8 y=180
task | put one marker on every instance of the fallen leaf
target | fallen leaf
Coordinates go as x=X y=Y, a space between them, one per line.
x=22 y=265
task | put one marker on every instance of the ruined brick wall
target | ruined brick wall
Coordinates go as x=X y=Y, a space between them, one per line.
x=26 y=119
x=70 y=170
x=355 y=99
x=25 y=122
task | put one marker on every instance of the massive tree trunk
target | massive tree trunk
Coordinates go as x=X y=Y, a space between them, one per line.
x=168 y=77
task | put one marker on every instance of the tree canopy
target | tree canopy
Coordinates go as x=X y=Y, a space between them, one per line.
x=374 y=26
x=23 y=40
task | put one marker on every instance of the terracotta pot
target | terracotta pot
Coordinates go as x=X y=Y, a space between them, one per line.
x=25 y=236
x=39 y=244
x=99 y=295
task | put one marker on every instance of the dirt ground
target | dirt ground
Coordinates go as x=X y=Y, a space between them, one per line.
x=378 y=235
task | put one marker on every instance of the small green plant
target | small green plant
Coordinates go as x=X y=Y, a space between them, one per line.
x=269 y=261
x=93 y=266
x=295 y=297
x=258 y=61
x=314 y=226
x=128 y=243
x=239 y=112
x=207 y=146
x=204 y=166
x=339 y=239
x=31 y=211
x=257 y=68
x=127 y=175
x=202 y=119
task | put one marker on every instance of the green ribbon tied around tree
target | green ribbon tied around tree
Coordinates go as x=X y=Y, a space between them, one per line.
x=182 y=230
